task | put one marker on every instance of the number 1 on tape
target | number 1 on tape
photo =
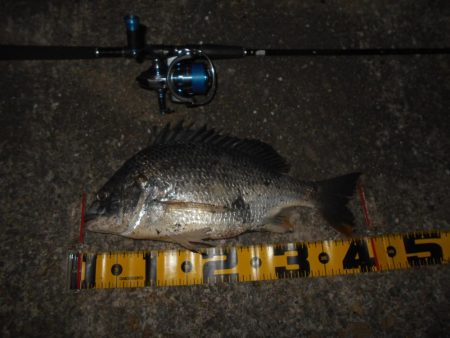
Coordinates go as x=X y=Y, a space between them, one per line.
x=258 y=262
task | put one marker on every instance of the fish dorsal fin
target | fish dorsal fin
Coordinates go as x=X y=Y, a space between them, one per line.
x=257 y=150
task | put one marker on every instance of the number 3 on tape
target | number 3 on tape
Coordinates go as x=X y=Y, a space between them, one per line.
x=259 y=262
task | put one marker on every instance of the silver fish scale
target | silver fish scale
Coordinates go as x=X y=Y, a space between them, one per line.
x=240 y=191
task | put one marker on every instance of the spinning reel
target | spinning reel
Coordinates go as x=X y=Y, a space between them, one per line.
x=189 y=78
x=186 y=74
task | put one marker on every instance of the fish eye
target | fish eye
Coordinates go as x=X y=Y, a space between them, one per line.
x=102 y=195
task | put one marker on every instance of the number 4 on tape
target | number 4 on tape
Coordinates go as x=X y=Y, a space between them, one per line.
x=259 y=262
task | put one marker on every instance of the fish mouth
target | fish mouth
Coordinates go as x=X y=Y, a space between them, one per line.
x=93 y=216
x=100 y=224
x=90 y=216
x=91 y=223
x=97 y=220
x=93 y=227
x=95 y=210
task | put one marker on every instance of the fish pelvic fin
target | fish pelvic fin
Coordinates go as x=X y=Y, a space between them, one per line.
x=192 y=239
x=334 y=195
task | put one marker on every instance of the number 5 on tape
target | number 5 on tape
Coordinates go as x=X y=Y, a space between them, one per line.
x=258 y=262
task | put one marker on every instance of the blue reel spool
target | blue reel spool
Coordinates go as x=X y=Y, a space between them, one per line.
x=191 y=77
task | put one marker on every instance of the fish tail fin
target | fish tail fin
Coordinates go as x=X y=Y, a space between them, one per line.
x=334 y=194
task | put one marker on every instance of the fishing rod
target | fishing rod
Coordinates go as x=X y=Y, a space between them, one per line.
x=184 y=73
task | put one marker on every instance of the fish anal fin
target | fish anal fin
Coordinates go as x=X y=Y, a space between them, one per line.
x=280 y=222
x=191 y=239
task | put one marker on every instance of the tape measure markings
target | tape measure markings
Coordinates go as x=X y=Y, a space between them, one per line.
x=259 y=262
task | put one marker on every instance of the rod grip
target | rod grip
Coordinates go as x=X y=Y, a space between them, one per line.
x=12 y=52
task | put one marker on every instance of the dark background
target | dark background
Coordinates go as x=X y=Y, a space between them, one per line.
x=66 y=126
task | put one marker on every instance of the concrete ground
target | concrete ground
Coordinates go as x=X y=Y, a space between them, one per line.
x=66 y=126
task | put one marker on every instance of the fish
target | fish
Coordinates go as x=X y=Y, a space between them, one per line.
x=193 y=185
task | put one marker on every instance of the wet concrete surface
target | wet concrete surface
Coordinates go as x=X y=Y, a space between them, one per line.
x=66 y=126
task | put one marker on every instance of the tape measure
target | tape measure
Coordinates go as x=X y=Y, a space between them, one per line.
x=136 y=269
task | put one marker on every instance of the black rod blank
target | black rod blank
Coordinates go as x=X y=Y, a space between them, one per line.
x=13 y=52
x=347 y=52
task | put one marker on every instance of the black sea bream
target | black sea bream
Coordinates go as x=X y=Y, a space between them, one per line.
x=191 y=185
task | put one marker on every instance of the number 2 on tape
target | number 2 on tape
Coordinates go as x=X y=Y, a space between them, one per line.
x=257 y=263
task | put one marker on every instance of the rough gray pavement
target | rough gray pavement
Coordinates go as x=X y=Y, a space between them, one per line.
x=66 y=126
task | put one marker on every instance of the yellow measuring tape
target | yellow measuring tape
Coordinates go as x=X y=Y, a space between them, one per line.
x=136 y=269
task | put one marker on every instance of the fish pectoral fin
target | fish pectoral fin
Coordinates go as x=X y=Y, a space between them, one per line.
x=191 y=239
x=194 y=205
x=280 y=222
